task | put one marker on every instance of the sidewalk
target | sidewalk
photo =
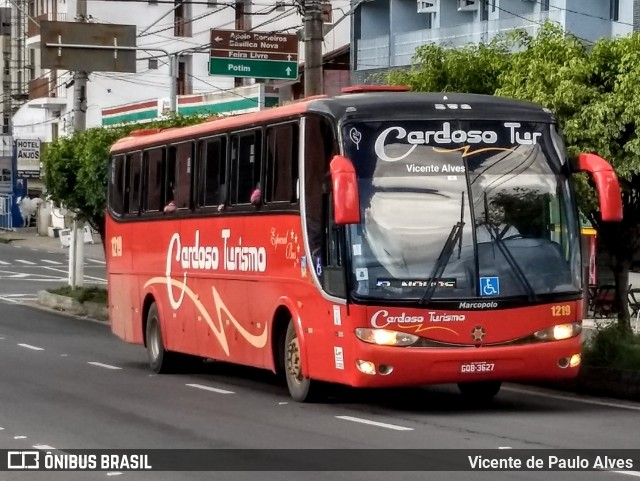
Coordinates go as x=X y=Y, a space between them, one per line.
x=27 y=237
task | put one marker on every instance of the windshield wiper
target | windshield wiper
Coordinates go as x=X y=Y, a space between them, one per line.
x=494 y=232
x=445 y=254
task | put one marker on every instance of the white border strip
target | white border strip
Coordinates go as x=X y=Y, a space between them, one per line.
x=594 y=402
x=29 y=346
x=374 y=423
x=209 y=388
x=106 y=366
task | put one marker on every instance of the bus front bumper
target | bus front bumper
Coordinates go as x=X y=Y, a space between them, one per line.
x=382 y=366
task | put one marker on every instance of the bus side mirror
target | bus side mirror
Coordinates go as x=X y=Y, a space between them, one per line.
x=607 y=185
x=346 y=202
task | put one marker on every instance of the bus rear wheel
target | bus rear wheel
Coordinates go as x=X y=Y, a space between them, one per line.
x=480 y=391
x=301 y=388
x=160 y=360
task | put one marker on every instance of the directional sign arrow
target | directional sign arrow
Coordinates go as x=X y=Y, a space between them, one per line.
x=288 y=70
x=218 y=39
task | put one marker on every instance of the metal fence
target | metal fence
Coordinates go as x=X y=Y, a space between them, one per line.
x=6 y=221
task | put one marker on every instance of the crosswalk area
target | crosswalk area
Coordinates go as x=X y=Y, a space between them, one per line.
x=48 y=262
x=18 y=298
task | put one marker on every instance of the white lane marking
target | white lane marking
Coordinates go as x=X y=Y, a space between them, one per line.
x=42 y=446
x=212 y=389
x=573 y=399
x=66 y=273
x=55 y=263
x=13 y=301
x=374 y=423
x=3 y=263
x=19 y=437
x=628 y=473
x=97 y=261
x=1 y=429
x=2 y=338
x=29 y=346
x=504 y=447
x=106 y=366
x=29 y=263
x=114 y=473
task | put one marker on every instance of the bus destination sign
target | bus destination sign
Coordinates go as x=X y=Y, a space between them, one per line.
x=238 y=53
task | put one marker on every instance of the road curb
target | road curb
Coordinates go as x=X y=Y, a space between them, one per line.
x=73 y=306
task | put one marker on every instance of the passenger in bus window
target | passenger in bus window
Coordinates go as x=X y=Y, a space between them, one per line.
x=221 y=196
x=171 y=204
x=256 y=196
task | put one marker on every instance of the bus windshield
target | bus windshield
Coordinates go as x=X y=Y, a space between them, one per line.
x=455 y=210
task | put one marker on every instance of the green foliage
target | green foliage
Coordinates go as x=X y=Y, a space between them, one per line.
x=439 y=68
x=76 y=167
x=613 y=347
x=83 y=294
x=549 y=69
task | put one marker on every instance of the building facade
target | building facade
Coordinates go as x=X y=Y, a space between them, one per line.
x=386 y=33
x=180 y=27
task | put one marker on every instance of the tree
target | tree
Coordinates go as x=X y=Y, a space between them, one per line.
x=76 y=168
x=594 y=92
x=439 y=68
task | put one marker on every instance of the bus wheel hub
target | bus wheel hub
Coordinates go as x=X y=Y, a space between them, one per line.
x=293 y=360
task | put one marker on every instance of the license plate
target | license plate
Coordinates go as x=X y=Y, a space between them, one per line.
x=477 y=367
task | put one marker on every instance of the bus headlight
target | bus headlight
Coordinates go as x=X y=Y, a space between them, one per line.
x=559 y=332
x=385 y=337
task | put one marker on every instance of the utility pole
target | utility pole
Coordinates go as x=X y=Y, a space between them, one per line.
x=313 y=37
x=76 y=249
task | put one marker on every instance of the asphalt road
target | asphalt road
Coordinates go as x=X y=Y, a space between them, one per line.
x=24 y=271
x=67 y=383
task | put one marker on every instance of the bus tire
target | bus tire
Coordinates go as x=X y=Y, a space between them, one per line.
x=160 y=360
x=301 y=388
x=480 y=391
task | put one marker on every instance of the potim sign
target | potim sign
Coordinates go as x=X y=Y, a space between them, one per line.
x=28 y=158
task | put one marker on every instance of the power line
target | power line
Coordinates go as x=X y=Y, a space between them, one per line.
x=534 y=21
x=583 y=13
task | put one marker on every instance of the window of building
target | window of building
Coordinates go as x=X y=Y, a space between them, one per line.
x=182 y=19
x=153 y=185
x=281 y=157
x=212 y=170
x=614 y=11
x=184 y=76
x=245 y=166
x=544 y=5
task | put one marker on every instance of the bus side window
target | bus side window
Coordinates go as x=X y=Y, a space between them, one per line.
x=183 y=154
x=246 y=163
x=134 y=177
x=152 y=189
x=281 y=172
x=116 y=185
x=212 y=170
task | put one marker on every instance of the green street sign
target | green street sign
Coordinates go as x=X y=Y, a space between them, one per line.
x=242 y=67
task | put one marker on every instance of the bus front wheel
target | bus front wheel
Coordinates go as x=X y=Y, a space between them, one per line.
x=480 y=391
x=160 y=360
x=301 y=388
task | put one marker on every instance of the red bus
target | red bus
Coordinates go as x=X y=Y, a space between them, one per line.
x=374 y=239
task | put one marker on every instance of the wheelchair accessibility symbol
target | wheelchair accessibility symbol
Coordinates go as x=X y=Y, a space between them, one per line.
x=489 y=286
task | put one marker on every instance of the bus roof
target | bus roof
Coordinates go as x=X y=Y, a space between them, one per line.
x=367 y=105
